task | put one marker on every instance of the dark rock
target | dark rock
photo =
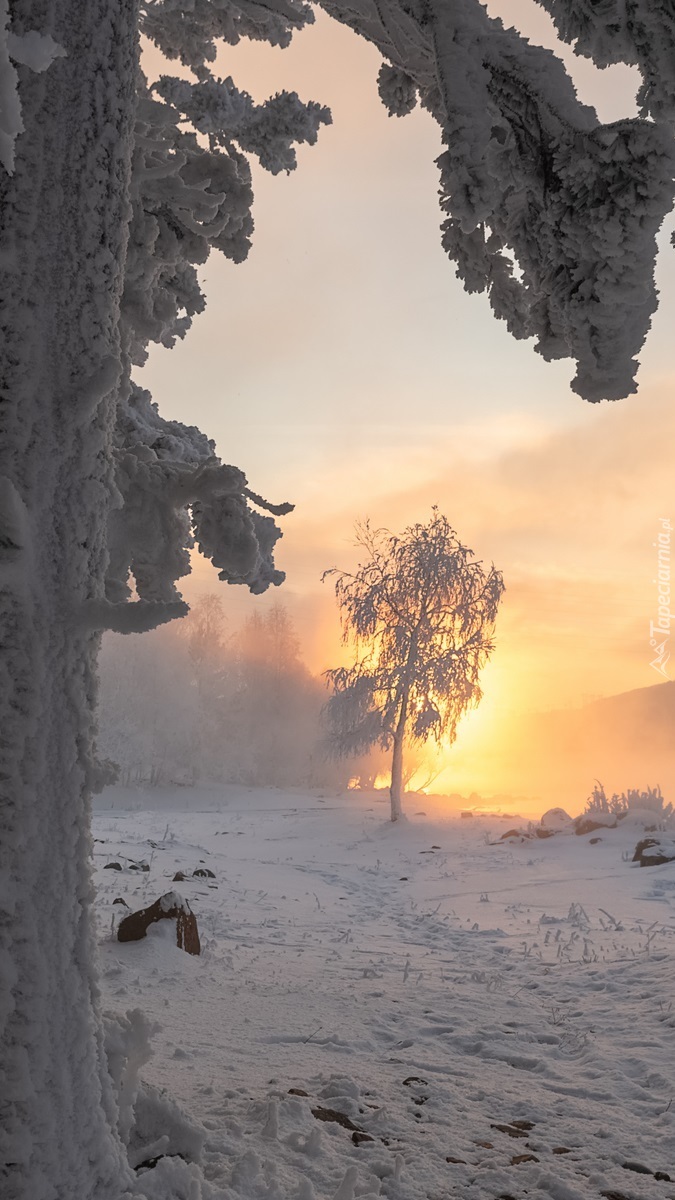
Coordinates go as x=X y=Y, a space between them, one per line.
x=332 y=1114
x=297 y=1092
x=358 y=1137
x=171 y=906
x=414 y=1079
x=521 y=1158
x=513 y=1130
x=450 y=1159
x=561 y=1150
x=514 y=833
x=403 y=879
x=119 y=900
x=523 y=1124
x=485 y=1145
x=540 y=832
x=150 y=1163
x=179 y=877
x=639 y=1168
x=651 y=852
x=662 y=1175
x=465 y=815
x=114 y=866
x=594 y=841
x=203 y=873
x=585 y=824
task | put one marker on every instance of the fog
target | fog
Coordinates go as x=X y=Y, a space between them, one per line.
x=203 y=700
x=624 y=741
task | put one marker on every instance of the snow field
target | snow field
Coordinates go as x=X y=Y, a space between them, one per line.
x=497 y=1018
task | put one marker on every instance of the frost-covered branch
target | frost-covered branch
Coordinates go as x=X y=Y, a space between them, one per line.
x=191 y=194
x=638 y=32
x=530 y=174
x=189 y=32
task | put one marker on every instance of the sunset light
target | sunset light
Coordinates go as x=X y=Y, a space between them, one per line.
x=337 y=538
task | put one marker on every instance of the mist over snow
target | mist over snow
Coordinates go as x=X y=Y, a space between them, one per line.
x=200 y=701
x=210 y=700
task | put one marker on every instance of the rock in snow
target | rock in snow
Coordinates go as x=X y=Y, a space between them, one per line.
x=135 y=926
x=653 y=852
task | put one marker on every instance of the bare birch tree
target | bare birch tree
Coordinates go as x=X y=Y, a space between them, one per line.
x=420 y=613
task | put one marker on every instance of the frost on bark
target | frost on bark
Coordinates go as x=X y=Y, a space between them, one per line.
x=530 y=174
x=110 y=200
x=64 y=218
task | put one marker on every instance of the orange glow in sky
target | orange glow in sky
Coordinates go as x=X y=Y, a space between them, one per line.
x=344 y=368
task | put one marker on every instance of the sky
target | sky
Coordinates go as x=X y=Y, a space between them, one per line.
x=344 y=369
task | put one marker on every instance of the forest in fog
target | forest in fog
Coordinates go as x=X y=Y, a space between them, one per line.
x=202 y=700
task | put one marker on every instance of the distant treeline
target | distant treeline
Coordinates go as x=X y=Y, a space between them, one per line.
x=196 y=700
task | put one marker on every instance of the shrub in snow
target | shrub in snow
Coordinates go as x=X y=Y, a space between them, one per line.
x=127 y=1048
x=150 y=1124
x=633 y=803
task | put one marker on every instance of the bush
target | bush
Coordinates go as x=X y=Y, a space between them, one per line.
x=632 y=800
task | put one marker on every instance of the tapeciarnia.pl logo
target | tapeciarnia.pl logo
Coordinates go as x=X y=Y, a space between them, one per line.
x=659 y=630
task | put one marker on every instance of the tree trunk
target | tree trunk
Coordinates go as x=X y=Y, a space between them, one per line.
x=65 y=214
x=396 y=787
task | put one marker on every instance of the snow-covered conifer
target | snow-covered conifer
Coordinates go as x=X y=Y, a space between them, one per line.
x=529 y=173
x=111 y=202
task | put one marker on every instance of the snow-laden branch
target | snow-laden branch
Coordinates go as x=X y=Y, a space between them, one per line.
x=174 y=493
x=191 y=194
x=189 y=32
x=638 y=32
x=530 y=174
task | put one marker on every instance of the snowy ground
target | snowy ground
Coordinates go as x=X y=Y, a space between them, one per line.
x=498 y=1019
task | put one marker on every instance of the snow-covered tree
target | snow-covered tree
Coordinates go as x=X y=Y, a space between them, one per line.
x=118 y=192
x=271 y=715
x=113 y=191
x=419 y=613
x=184 y=703
x=530 y=176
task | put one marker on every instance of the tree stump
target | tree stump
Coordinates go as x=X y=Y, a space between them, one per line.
x=172 y=906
